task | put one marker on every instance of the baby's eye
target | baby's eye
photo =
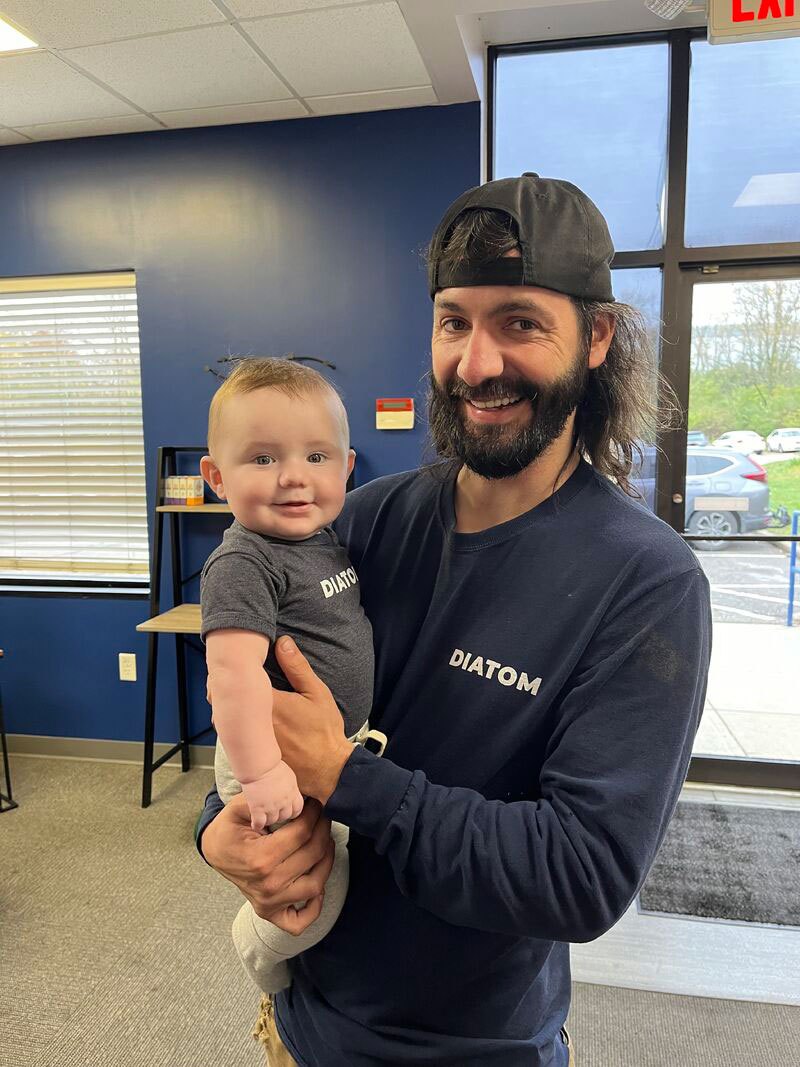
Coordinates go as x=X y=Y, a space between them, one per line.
x=264 y=461
x=317 y=457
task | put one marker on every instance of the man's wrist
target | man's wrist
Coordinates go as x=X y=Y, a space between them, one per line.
x=333 y=772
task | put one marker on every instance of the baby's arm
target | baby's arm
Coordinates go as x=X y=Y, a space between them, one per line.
x=241 y=701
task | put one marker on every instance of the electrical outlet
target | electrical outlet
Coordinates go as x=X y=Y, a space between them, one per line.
x=127 y=666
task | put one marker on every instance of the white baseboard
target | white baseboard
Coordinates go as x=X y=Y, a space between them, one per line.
x=103 y=751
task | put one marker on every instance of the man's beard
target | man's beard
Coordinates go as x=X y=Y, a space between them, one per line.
x=504 y=450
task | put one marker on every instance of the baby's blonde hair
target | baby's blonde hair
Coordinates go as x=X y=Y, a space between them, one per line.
x=292 y=379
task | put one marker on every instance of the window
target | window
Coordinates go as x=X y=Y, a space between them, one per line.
x=709 y=464
x=743 y=178
x=705 y=226
x=597 y=117
x=72 y=488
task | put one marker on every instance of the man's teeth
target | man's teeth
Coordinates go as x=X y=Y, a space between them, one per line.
x=506 y=400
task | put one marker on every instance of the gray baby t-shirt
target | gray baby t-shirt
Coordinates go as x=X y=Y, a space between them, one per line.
x=306 y=589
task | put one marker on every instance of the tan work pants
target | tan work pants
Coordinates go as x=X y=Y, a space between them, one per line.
x=277 y=1055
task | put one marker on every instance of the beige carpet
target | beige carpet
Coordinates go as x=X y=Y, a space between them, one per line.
x=114 y=946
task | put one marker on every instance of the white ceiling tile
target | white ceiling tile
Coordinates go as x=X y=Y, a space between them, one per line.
x=81 y=22
x=37 y=87
x=220 y=116
x=352 y=103
x=244 y=9
x=57 y=131
x=190 y=69
x=344 y=50
x=9 y=137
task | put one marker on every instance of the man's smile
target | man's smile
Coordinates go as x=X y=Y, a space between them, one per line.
x=495 y=412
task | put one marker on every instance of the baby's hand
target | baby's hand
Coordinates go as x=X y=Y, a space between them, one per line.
x=274 y=797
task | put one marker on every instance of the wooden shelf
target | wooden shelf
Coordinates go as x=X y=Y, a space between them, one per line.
x=183 y=619
x=220 y=508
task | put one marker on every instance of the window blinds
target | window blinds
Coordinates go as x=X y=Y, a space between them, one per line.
x=72 y=489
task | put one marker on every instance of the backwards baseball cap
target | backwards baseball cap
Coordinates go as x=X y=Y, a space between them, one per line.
x=563 y=238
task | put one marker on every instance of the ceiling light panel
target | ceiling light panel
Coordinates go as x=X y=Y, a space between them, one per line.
x=36 y=87
x=770 y=190
x=11 y=40
x=82 y=22
x=197 y=68
x=344 y=50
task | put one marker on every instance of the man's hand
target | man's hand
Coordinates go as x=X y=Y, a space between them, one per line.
x=308 y=725
x=274 y=871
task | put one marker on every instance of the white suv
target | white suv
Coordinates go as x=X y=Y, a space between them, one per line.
x=785 y=440
x=744 y=441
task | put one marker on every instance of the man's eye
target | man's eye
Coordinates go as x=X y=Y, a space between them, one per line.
x=524 y=324
x=453 y=325
x=317 y=457
x=264 y=461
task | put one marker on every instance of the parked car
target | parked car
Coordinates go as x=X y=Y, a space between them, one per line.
x=784 y=440
x=696 y=437
x=744 y=441
x=726 y=493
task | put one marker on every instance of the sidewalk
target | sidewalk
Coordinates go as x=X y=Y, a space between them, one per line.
x=753 y=702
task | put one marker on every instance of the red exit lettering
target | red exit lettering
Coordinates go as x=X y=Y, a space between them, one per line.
x=768 y=9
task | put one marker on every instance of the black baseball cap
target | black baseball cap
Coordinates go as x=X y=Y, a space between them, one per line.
x=563 y=238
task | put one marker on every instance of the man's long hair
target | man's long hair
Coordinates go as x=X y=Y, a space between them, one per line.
x=627 y=401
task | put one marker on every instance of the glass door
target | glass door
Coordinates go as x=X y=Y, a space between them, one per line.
x=742 y=495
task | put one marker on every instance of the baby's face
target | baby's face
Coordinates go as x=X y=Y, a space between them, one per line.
x=283 y=462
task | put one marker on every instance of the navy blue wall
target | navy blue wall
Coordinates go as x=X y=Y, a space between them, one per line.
x=299 y=236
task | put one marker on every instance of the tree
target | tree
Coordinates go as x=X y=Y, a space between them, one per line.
x=746 y=369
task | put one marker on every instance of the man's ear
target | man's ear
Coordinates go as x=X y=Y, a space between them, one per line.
x=213 y=476
x=602 y=336
x=351 y=459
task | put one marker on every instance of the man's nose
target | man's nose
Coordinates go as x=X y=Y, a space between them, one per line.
x=480 y=359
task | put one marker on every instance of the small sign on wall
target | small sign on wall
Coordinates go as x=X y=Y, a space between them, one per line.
x=394 y=413
x=752 y=20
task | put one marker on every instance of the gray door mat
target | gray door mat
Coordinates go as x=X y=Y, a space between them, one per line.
x=728 y=861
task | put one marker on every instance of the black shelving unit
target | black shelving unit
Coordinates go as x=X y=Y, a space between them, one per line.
x=7 y=802
x=181 y=619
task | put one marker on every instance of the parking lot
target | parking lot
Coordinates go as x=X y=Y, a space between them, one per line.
x=749 y=583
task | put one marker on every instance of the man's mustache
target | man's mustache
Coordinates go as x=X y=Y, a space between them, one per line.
x=493 y=389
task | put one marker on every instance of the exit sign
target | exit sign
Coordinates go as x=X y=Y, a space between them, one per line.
x=752 y=20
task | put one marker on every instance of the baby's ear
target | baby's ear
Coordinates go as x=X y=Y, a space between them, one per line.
x=212 y=476
x=351 y=459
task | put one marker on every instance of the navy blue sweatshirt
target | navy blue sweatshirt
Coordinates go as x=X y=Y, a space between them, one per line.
x=541 y=684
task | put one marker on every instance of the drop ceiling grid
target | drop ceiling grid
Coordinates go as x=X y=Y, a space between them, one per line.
x=203 y=67
x=417 y=96
x=243 y=9
x=54 y=131
x=347 y=56
x=269 y=111
x=37 y=87
x=73 y=23
x=342 y=50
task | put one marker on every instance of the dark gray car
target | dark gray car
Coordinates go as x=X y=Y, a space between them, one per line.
x=726 y=493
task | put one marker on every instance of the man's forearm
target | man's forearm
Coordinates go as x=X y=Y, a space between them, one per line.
x=564 y=867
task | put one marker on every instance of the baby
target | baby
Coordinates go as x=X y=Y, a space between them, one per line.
x=279 y=454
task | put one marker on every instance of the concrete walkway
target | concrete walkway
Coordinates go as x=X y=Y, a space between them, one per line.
x=753 y=702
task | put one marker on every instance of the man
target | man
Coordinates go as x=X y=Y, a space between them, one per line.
x=542 y=645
